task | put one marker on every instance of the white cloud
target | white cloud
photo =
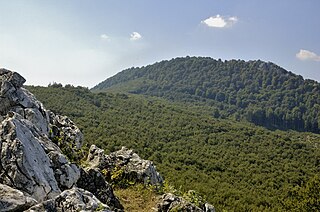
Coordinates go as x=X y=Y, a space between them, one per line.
x=307 y=55
x=104 y=37
x=135 y=36
x=220 y=21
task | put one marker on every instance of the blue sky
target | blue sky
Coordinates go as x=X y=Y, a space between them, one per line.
x=83 y=42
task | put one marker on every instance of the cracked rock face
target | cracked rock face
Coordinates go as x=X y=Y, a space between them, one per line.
x=23 y=162
x=132 y=165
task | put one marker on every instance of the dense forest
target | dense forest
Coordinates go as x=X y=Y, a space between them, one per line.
x=259 y=92
x=238 y=166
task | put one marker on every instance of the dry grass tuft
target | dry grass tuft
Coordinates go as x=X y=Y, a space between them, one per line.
x=137 y=198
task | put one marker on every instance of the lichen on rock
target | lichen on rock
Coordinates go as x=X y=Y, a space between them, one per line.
x=126 y=162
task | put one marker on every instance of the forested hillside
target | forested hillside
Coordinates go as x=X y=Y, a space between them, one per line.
x=256 y=91
x=238 y=166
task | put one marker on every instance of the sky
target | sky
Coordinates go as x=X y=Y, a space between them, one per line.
x=83 y=42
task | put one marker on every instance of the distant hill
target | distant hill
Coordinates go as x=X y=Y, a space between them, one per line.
x=259 y=92
x=238 y=166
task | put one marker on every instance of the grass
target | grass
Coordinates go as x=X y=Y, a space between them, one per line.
x=137 y=198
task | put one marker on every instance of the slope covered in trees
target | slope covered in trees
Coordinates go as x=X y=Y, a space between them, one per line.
x=238 y=166
x=256 y=91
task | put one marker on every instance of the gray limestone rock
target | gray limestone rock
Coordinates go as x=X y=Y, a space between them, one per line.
x=170 y=202
x=62 y=126
x=66 y=174
x=14 y=200
x=12 y=77
x=96 y=157
x=24 y=164
x=10 y=82
x=75 y=199
x=17 y=99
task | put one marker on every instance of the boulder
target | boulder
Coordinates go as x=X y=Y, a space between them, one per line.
x=64 y=133
x=75 y=199
x=14 y=200
x=130 y=163
x=96 y=157
x=170 y=202
x=10 y=82
x=63 y=127
x=13 y=78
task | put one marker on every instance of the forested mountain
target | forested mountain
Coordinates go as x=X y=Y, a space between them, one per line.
x=256 y=91
x=238 y=166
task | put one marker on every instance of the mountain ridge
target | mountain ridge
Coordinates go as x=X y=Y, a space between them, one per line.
x=259 y=92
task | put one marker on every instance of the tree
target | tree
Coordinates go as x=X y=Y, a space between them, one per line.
x=305 y=198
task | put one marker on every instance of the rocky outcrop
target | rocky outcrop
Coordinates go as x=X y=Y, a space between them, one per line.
x=29 y=161
x=130 y=163
x=75 y=199
x=33 y=166
x=170 y=202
